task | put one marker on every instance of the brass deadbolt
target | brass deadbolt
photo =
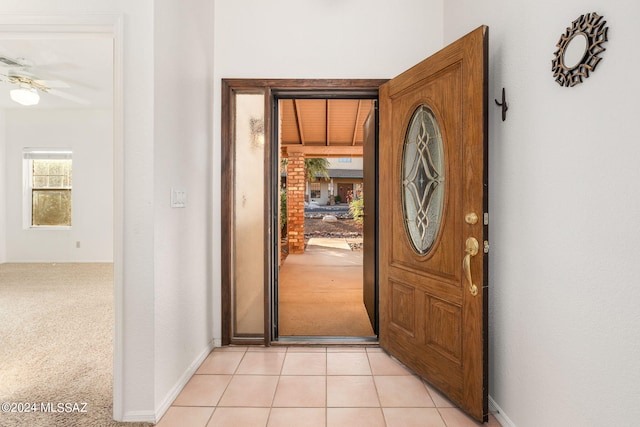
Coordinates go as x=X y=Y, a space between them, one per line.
x=471 y=218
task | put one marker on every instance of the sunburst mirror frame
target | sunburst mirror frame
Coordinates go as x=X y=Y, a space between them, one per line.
x=593 y=27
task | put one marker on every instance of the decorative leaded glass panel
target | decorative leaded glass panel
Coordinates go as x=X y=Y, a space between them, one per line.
x=423 y=179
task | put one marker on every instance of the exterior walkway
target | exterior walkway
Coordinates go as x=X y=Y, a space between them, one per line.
x=309 y=387
x=320 y=291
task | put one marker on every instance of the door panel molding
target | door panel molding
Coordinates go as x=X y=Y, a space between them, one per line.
x=444 y=328
x=403 y=307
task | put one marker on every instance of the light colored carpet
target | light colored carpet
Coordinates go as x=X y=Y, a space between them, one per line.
x=320 y=292
x=56 y=335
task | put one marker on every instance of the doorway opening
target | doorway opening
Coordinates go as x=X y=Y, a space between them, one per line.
x=73 y=66
x=319 y=287
x=320 y=284
x=277 y=126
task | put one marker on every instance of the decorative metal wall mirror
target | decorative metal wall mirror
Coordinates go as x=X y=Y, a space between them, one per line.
x=579 y=49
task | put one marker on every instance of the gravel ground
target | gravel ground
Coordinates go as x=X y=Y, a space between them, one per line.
x=316 y=227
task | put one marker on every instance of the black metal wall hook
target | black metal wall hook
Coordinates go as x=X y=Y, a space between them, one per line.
x=504 y=105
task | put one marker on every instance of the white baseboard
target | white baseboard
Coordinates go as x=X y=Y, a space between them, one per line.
x=184 y=379
x=139 y=416
x=497 y=412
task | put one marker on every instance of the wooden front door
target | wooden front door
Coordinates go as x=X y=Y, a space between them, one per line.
x=345 y=191
x=370 y=223
x=433 y=193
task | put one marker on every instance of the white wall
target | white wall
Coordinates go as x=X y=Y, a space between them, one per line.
x=89 y=133
x=324 y=39
x=3 y=184
x=319 y=39
x=564 y=202
x=355 y=163
x=183 y=53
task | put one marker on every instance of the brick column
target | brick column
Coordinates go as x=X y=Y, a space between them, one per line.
x=295 y=202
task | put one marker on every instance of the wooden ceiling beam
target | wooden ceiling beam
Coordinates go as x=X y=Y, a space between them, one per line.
x=298 y=120
x=355 y=125
x=327 y=121
x=324 y=151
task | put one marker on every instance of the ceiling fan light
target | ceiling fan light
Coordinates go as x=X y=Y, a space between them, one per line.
x=25 y=96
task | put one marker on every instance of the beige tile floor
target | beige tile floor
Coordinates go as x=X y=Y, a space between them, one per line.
x=309 y=387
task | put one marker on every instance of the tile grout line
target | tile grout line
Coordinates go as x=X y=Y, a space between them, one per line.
x=233 y=375
x=375 y=386
x=273 y=398
x=326 y=387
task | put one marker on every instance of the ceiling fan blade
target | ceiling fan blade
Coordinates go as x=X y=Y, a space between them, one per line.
x=52 y=76
x=68 y=96
x=52 y=83
x=7 y=61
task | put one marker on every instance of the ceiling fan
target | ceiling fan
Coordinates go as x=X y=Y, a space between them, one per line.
x=27 y=87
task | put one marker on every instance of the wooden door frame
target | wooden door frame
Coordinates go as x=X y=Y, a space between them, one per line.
x=328 y=88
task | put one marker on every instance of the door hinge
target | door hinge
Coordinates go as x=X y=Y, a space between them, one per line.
x=486 y=218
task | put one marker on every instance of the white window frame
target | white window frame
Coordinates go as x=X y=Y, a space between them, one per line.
x=311 y=190
x=28 y=155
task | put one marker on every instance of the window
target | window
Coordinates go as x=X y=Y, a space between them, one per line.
x=48 y=176
x=344 y=160
x=315 y=190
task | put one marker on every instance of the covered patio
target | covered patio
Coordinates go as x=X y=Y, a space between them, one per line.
x=320 y=291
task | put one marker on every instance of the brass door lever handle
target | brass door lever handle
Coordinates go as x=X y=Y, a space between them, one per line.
x=471 y=249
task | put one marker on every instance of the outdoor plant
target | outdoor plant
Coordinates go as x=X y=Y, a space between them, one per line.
x=356 y=207
x=316 y=168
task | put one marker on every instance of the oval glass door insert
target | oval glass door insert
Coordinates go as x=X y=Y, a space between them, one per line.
x=423 y=179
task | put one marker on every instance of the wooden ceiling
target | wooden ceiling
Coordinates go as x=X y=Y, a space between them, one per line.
x=323 y=127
